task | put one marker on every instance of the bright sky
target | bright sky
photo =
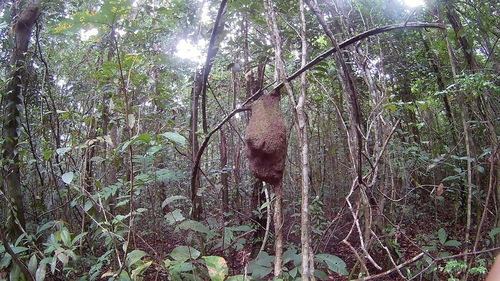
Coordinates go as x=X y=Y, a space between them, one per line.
x=414 y=3
x=187 y=50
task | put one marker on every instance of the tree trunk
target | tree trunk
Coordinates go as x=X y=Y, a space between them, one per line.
x=305 y=227
x=11 y=127
x=224 y=175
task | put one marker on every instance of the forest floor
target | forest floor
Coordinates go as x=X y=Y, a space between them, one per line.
x=408 y=242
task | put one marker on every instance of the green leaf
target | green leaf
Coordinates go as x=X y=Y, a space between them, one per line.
x=291 y=255
x=18 y=250
x=62 y=151
x=184 y=253
x=264 y=259
x=46 y=226
x=134 y=257
x=78 y=237
x=146 y=138
x=258 y=271
x=140 y=269
x=47 y=154
x=32 y=264
x=15 y=273
x=175 y=137
x=217 y=267
x=194 y=225
x=68 y=177
x=494 y=232
x=334 y=263
x=5 y=261
x=175 y=216
x=452 y=243
x=172 y=199
x=88 y=205
x=320 y=274
x=40 y=272
x=236 y=278
x=64 y=236
x=442 y=236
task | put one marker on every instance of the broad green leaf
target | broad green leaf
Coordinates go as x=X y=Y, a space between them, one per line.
x=140 y=269
x=174 y=137
x=264 y=259
x=181 y=267
x=46 y=226
x=62 y=151
x=146 y=138
x=184 y=253
x=175 y=216
x=40 y=272
x=291 y=255
x=194 y=225
x=442 y=236
x=64 y=236
x=134 y=257
x=258 y=271
x=452 y=243
x=33 y=264
x=68 y=177
x=334 y=263
x=19 y=249
x=217 y=267
x=172 y=199
x=320 y=274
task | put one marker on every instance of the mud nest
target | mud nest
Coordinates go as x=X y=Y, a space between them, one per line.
x=266 y=140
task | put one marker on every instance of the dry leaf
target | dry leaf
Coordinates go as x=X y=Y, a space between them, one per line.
x=440 y=189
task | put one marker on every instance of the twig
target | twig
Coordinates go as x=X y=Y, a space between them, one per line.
x=406 y=263
x=268 y=221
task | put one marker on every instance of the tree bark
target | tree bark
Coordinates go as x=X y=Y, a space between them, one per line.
x=22 y=30
x=305 y=227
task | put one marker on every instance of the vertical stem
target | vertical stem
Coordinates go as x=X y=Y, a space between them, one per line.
x=465 y=117
x=278 y=224
x=307 y=254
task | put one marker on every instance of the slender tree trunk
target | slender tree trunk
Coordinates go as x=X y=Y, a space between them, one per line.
x=278 y=231
x=22 y=30
x=281 y=76
x=307 y=254
x=465 y=118
x=195 y=181
x=224 y=176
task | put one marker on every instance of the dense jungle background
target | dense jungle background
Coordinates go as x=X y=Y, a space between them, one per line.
x=124 y=139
